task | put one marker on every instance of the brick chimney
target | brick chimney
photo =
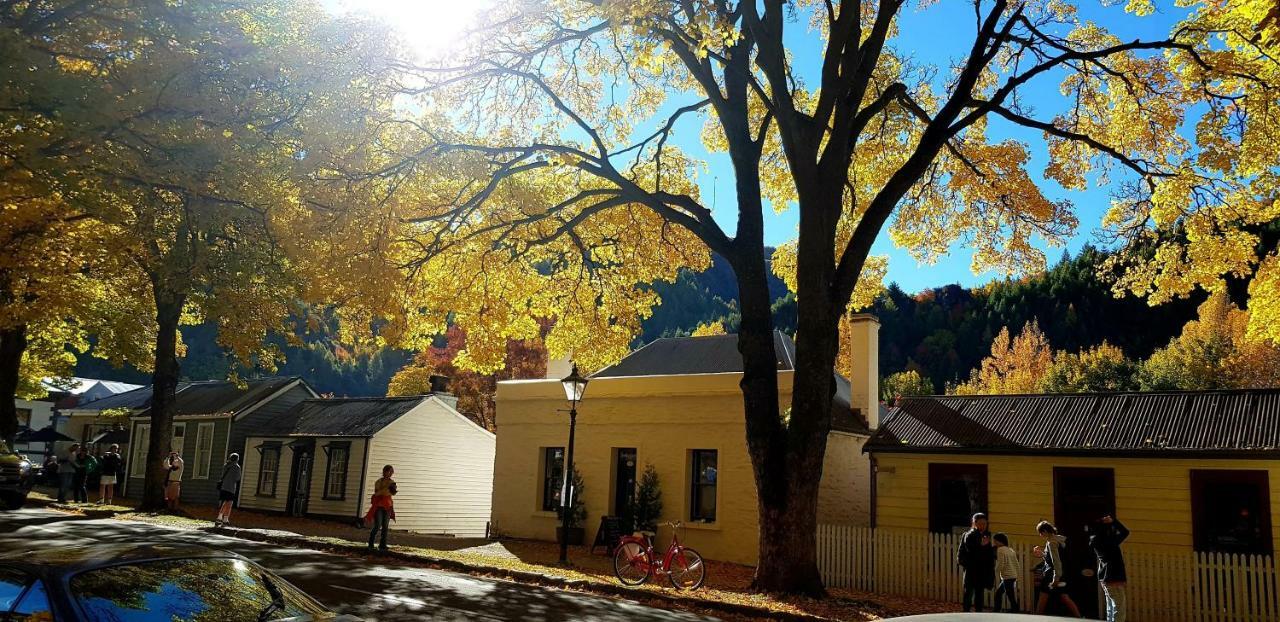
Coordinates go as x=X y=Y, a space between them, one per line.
x=559 y=368
x=863 y=345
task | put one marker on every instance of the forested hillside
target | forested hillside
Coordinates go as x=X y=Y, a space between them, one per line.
x=326 y=365
x=942 y=332
x=945 y=332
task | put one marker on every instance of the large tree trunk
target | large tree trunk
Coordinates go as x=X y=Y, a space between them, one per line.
x=788 y=458
x=164 y=387
x=13 y=342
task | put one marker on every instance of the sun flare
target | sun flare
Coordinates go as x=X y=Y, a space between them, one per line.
x=429 y=27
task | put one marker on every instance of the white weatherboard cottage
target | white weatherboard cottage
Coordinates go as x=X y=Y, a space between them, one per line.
x=322 y=458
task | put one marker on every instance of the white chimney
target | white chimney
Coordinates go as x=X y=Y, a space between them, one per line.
x=864 y=351
x=559 y=368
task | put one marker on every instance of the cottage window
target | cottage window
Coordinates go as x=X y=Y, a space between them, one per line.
x=956 y=493
x=705 y=474
x=552 y=477
x=335 y=475
x=268 y=469
x=24 y=417
x=204 y=450
x=1231 y=511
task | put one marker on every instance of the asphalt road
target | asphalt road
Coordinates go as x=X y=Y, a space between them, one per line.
x=347 y=584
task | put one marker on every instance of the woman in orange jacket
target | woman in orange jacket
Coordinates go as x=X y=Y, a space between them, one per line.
x=381 y=509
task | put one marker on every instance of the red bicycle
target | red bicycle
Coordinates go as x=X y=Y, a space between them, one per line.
x=634 y=561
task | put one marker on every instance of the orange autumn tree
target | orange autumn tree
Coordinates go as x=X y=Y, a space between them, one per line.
x=1016 y=365
x=538 y=176
x=526 y=358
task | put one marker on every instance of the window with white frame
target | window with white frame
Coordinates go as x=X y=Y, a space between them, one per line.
x=335 y=475
x=178 y=442
x=141 y=441
x=204 y=450
x=268 y=467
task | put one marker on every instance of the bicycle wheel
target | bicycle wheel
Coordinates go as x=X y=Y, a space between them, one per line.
x=631 y=563
x=687 y=572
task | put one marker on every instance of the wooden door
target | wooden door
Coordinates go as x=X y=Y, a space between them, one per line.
x=300 y=480
x=1081 y=497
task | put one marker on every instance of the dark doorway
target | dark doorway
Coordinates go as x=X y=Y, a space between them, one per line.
x=1082 y=496
x=624 y=483
x=300 y=479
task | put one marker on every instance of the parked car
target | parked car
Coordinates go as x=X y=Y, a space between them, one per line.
x=145 y=583
x=16 y=479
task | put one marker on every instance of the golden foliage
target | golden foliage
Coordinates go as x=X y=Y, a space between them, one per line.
x=1214 y=351
x=708 y=329
x=1016 y=364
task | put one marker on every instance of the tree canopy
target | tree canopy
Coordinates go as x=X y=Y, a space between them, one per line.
x=540 y=163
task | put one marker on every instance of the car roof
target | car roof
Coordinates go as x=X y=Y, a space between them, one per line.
x=88 y=557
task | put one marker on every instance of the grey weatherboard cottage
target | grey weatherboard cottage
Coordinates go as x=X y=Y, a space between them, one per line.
x=211 y=420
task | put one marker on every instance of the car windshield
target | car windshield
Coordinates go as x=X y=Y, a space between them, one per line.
x=201 y=590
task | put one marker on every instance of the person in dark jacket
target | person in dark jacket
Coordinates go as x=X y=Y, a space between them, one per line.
x=1105 y=538
x=228 y=488
x=1055 y=583
x=111 y=469
x=978 y=559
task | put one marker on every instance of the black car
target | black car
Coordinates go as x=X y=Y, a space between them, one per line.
x=16 y=479
x=145 y=583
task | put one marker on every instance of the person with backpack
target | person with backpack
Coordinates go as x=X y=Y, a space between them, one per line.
x=1055 y=584
x=977 y=558
x=1105 y=538
x=111 y=467
x=228 y=485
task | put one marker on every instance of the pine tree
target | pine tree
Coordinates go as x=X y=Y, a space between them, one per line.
x=648 y=502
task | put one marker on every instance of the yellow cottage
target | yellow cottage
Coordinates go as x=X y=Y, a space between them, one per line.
x=1183 y=470
x=675 y=404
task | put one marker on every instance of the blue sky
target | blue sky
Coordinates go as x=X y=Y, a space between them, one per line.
x=935 y=36
x=938 y=36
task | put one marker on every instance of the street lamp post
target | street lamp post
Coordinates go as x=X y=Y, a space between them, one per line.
x=574 y=386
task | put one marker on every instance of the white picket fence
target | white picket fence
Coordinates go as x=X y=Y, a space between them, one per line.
x=1163 y=586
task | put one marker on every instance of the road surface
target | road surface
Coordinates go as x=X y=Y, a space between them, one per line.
x=351 y=585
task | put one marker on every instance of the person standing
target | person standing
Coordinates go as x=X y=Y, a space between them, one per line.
x=111 y=467
x=173 y=481
x=977 y=557
x=1105 y=538
x=1008 y=569
x=1054 y=567
x=381 y=508
x=80 y=481
x=67 y=472
x=228 y=485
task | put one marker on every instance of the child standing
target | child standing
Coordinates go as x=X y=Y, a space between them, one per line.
x=1008 y=569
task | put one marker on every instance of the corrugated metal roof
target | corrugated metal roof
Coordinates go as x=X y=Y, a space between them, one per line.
x=220 y=397
x=718 y=354
x=80 y=385
x=713 y=354
x=1187 y=421
x=137 y=398
x=204 y=397
x=341 y=417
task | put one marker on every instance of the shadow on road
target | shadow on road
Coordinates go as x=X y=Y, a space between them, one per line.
x=365 y=587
